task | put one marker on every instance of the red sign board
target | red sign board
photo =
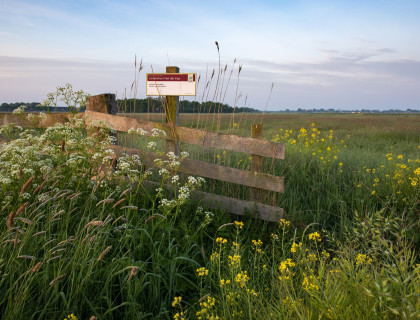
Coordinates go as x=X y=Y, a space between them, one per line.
x=171 y=84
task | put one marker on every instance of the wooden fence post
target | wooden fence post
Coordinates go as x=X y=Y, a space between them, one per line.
x=172 y=115
x=103 y=103
x=256 y=164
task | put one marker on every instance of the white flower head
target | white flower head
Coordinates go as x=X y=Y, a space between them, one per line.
x=141 y=132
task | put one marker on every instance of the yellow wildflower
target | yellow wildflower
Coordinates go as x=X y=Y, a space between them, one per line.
x=295 y=246
x=239 y=224
x=363 y=258
x=224 y=282
x=310 y=284
x=315 y=237
x=241 y=278
x=177 y=300
x=201 y=272
x=284 y=223
x=235 y=259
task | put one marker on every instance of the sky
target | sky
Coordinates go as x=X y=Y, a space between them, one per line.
x=293 y=54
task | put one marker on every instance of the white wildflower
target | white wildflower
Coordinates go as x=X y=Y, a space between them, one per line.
x=163 y=171
x=192 y=180
x=158 y=133
x=19 y=110
x=151 y=145
x=141 y=132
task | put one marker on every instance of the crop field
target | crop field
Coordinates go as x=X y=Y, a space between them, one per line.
x=82 y=238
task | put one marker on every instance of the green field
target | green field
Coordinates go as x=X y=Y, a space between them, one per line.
x=74 y=241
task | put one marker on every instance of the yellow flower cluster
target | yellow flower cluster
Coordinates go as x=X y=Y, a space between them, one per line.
x=257 y=244
x=284 y=223
x=322 y=145
x=284 y=269
x=362 y=258
x=221 y=241
x=206 y=311
x=241 y=278
x=179 y=316
x=71 y=317
x=177 y=300
x=214 y=256
x=315 y=237
x=201 y=272
x=239 y=224
x=295 y=246
x=397 y=175
x=309 y=283
x=312 y=257
x=235 y=259
x=224 y=282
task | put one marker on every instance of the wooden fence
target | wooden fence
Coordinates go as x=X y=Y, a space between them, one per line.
x=102 y=107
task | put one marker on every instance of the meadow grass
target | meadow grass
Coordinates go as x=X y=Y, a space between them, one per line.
x=82 y=243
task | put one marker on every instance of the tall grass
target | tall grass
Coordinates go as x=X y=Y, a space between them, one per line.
x=82 y=235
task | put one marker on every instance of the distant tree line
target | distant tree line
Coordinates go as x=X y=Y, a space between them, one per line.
x=31 y=107
x=154 y=105
x=151 y=105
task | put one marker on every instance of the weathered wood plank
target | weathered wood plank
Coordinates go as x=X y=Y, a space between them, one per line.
x=256 y=194
x=198 y=137
x=235 y=206
x=214 y=171
x=22 y=120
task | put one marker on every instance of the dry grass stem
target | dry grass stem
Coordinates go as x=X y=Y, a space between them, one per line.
x=21 y=208
x=129 y=207
x=94 y=223
x=36 y=267
x=24 y=220
x=118 y=203
x=57 y=279
x=104 y=253
x=108 y=200
x=11 y=220
x=27 y=257
x=39 y=188
x=125 y=192
x=133 y=272
x=26 y=185
x=97 y=184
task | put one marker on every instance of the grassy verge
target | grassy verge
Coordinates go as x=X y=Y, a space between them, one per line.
x=98 y=245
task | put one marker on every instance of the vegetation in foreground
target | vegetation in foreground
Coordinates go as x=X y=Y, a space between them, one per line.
x=77 y=243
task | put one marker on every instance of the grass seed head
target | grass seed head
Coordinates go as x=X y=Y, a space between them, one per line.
x=104 y=253
x=36 y=267
x=11 y=220
x=133 y=272
x=26 y=185
x=21 y=208
x=57 y=279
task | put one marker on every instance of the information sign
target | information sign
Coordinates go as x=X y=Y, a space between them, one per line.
x=171 y=84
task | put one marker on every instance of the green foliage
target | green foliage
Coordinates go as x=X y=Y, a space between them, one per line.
x=73 y=100
x=82 y=236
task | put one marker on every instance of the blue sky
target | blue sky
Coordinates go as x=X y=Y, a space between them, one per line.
x=319 y=54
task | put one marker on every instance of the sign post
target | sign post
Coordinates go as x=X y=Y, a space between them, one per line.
x=171 y=84
x=172 y=115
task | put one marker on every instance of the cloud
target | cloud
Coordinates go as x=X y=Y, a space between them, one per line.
x=343 y=80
